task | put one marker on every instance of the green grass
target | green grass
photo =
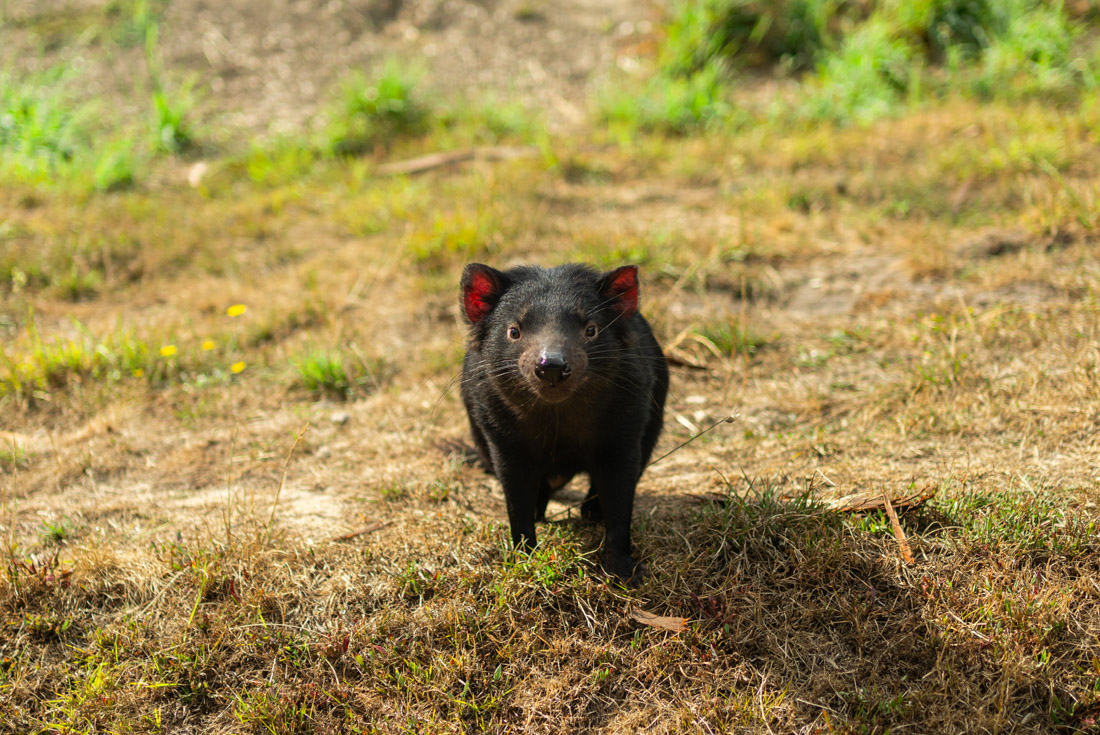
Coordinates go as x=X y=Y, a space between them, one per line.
x=118 y=167
x=50 y=365
x=1021 y=519
x=701 y=33
x=54 y=533
x=171 y=129
x=853 y=63
x=38 y=369
x=277 y=162
x=730 y=337
x=337 y=373
x=675 y=104
x=52 y=135
x=49 y=137
x=1034 y=55
x=370 y=111
x=903 y=54
x=42 y=133
x=462 y=233
x=866 y=78
x=485 y=119
x=133 y=18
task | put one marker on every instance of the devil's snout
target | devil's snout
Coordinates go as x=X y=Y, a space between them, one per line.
x=552 y=368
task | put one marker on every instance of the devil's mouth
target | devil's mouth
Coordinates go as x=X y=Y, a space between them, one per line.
x=554 y=393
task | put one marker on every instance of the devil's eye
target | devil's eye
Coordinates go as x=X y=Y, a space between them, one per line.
x=591 y=330
x=513 y=333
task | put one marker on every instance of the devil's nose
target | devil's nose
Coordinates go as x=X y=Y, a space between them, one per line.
x=552 y=368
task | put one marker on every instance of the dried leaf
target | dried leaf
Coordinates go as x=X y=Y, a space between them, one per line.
x=676 y=625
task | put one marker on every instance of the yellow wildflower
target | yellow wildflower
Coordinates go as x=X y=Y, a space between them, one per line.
x=138 y=372
x=208 y=345
x=237 y=367
x=236 y=310
x=167 y=350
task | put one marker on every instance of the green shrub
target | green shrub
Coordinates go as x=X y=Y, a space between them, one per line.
x=964 y=27
x=1033 y=54
x=866 y=77
x=869 y=58
x=756 y=33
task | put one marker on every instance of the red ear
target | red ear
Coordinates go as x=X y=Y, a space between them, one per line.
x=620 y=287
x=481 y=289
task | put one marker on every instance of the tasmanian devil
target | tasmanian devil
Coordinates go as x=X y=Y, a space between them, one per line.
x=563 y=375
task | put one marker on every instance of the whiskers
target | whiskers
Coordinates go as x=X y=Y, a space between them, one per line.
x=505 y=371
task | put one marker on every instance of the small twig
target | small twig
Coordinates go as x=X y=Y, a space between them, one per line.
x=727 y=420
x=279 y=491
x=675 y=361
x=446 y=158
x=899 y=533
x=376 y=526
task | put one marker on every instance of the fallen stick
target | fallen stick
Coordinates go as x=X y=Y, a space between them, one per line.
x=857 y=503
x=449 y=158
x=377 y=525
x=899 y=533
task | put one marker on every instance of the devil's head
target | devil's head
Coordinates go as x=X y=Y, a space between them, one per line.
x=545 y=333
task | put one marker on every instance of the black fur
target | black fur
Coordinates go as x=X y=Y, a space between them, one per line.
x=547 y=401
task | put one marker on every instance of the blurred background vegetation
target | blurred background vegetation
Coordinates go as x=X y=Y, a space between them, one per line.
x=713 y=66
x=854 y=62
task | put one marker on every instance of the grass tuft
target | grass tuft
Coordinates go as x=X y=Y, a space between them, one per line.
x=674 y=104
x=790 y=32
x=373 y=110
x=337 y=373
x=42 y=132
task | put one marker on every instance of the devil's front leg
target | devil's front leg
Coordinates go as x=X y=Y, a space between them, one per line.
x=614 y=482
x=523 y=487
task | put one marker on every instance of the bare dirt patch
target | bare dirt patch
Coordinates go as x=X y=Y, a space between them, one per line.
x=270 y=66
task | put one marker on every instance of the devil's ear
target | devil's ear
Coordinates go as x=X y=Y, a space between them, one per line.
x=481 y=290
x=620 y=288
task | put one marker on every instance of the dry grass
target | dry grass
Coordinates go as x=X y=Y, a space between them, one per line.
x=912 y=305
